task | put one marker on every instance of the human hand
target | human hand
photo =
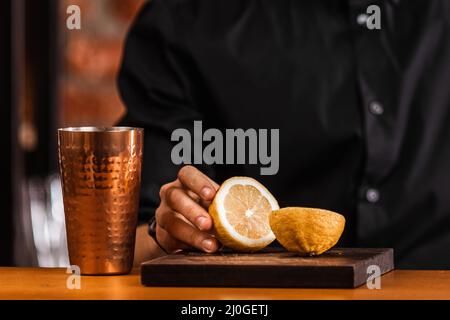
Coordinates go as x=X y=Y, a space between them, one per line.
x=182 y=219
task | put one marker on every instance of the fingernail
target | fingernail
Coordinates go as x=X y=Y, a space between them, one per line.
x=208 y=244
x=206 y=192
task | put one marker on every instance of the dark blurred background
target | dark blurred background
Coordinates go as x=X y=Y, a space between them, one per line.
x=50 y=77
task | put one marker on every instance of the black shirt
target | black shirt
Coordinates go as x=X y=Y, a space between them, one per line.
x=363 y=114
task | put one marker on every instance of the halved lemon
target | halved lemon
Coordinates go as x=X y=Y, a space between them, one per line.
x=307 y=231
x=240 y=211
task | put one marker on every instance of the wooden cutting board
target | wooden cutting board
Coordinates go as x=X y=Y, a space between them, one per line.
x=337 y=268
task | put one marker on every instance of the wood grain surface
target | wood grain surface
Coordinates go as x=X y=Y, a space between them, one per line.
x=337 y=268
x=49 y=283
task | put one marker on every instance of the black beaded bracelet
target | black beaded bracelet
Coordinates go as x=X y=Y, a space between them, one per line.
x=152 y=232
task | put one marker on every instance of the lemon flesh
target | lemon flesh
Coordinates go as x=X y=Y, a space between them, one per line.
x=240 y=212
x=306 y=231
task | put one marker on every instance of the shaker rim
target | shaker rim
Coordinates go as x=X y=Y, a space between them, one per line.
x=99 y=129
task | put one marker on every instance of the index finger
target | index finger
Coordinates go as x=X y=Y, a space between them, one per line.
x=194 y=180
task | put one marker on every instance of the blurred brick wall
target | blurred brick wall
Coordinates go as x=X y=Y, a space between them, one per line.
x=91 y=59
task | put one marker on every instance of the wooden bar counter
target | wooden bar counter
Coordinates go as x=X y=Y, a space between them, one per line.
x=50 y=283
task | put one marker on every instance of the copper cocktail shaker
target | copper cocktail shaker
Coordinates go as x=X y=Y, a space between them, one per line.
x=101 y=175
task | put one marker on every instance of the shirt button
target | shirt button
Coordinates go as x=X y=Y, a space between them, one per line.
x=376 y=108
x=372 y=195
x=361 y=19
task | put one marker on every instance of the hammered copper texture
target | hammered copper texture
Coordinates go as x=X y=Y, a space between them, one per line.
x=101 y=174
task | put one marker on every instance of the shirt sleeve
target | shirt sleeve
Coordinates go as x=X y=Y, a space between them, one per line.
x=155 y=86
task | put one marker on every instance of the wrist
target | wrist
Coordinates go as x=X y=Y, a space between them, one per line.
x=152 y=232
